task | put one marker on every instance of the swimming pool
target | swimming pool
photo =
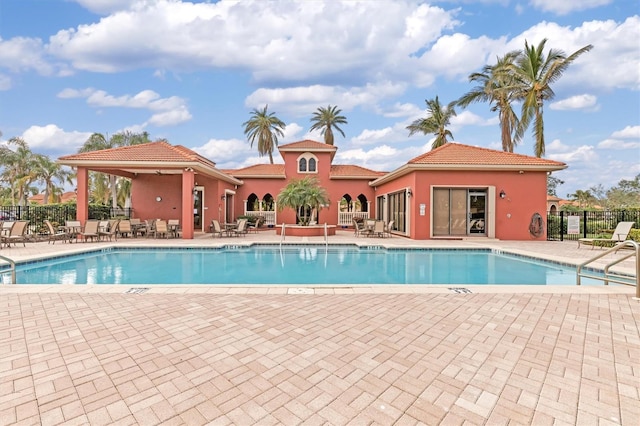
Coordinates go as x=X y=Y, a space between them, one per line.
x=299 y=265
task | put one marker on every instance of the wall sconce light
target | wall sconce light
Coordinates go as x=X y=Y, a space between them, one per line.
x=158 y=198
x=224 y=197
x=502 y=194
x=409 y=193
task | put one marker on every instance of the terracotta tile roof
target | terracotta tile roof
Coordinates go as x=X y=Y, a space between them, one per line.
x=346 y=171
x=459 y=154
x=307 y=145
x=159 y=152
x=259 y=170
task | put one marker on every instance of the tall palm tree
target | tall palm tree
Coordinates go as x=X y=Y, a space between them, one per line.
x=496 y=86
x=327 y=119
x=264 y=128
x=98 y=141
x=535 y=73
x=436 y=122
x=48 y=172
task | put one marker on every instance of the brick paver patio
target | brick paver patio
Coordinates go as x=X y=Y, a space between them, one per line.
x=436 y=357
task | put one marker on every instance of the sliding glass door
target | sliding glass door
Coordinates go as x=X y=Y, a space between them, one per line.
x=458 y=212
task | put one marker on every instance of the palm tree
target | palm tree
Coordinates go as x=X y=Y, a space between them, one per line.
x=327 y=119
x=304 y=196
x=264 y=128
x=496 y=86
x=47 y=172
x=436 y=122
x=535 y=73
x=98 y=141
x=18 y=169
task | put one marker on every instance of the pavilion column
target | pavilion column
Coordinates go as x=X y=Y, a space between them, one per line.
x=82 y=196
x=188 y=183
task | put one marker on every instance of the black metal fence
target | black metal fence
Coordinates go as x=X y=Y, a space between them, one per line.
x=592 y=224
x=57 y=214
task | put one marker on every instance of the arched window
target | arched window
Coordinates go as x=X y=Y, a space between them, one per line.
x=307 y=163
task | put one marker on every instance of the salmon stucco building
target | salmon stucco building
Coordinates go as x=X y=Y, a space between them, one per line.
x=451 y=192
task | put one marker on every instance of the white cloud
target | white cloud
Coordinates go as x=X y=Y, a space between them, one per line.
x=618 y=144
x=170 y=118
x=24 y=54
x=227 y=153
x=564 y=7
x=53 y=138
x=584 y=102
x=106 y=6
x=169 y=111
x=304 y=100
x=627 y=132
x=580 y=154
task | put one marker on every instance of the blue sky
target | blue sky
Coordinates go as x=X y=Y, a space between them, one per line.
x=191 y=72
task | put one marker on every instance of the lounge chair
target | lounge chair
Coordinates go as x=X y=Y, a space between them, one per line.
x=17 y=234
x=56 y=234
x=619 y=234
x=90 y=231
x=216 y=229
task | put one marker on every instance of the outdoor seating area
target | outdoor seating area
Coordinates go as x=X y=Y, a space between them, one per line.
x=619 y=234
x=372 y=228
x=229 y=229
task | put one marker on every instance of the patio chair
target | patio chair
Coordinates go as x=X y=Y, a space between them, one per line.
x=619 y=234
x=216 y=229
x=378 y=229
x=174 y=227
x=125 y=229
x=17 y=234
x=388 y=228
x=90 y=231
x=162 y=228
x=110 y=230
x=56 y=234
x=241 y=229
x=73 y=227
x=358 y=227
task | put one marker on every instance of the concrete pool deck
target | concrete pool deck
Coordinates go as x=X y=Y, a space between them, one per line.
x=356 y=355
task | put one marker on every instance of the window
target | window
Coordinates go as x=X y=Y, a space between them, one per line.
x=307 y=163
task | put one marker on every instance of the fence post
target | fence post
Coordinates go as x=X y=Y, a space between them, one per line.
x=561 y=225
x=584 y=228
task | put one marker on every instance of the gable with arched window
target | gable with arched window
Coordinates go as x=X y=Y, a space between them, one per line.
x=307 y=163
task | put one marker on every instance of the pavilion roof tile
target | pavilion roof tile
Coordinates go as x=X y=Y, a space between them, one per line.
x=349 y=170
x=307 y=144
x=158 y=152
x=258 y=170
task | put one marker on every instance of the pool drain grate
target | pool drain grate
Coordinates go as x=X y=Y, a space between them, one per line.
x=137 y=290
x=460 y=290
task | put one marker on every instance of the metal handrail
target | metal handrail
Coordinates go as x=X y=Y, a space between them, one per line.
x=612 y=276
x=12 y=263
x=282 y=234
x=326 y=236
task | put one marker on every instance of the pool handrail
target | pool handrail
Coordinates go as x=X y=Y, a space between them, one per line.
x=12 y=268
x=613 y=277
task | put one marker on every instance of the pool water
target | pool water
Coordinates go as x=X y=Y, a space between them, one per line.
x=298 y=265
